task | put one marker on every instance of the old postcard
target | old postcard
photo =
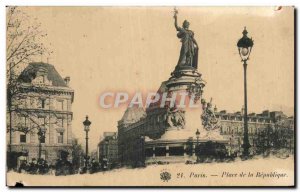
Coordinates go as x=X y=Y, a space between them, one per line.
x=150 y=96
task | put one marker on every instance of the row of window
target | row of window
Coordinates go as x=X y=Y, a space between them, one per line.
x=241 y=119
x=231 y=130
x=43 y=103
x=27 y=122
x=60 y=138
x=58 y=106
x=162 y=151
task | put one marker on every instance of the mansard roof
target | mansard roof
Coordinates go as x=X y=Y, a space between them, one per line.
x=133 y=115
x=29 y=73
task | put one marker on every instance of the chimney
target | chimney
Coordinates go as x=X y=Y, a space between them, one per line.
x=67 y=80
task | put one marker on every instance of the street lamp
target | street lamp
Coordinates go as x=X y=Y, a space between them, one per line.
x=197 y=136
x=245 y=45
x=230 y=144
x=42 y=135
x=86 y=125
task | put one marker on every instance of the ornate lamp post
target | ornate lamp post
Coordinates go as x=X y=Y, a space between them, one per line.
x=86 y=125
x=245 y=45
x=231 y=139
x=197 y=136
x=42 y=135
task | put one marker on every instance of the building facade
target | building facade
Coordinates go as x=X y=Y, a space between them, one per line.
x=108 y=148
x=41 y=115
x=137 y=128
x=233 y=123
x=232 y=127
x=134 y=126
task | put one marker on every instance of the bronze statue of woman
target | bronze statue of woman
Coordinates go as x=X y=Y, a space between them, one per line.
x=189 y=48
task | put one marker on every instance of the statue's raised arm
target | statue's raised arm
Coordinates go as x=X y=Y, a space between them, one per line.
x=189 y=47
x=175 y=20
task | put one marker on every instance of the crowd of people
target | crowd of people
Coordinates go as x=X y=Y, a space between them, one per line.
x=94 y=167
x=61 y=167
x=39 y=166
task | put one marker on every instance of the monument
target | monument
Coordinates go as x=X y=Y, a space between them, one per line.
x=182 y=123
x=169 y=128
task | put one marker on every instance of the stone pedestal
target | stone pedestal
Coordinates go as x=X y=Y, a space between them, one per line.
x=188 y=80
x=181 y=122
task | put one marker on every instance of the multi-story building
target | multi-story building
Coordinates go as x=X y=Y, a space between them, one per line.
x=132 y=129
x=108 y=148
x=41 y=117
x=232 y=125
x=137 y=125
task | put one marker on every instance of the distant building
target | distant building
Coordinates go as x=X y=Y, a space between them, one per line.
x=137 y=125
x=131 y=128
x=108 y=148
x=44 y=102
x=232 y=125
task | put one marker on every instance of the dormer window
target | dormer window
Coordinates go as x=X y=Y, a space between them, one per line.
x=40 y=77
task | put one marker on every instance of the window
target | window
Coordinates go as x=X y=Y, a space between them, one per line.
x=160 y=151
x=149 y=152
x=60 y=105
x=22 y=138
x=31 y=103
x=176 y=151
x=42 y=121
x=43 y=103
x=60 y=137
x=32 y=137
x=60 y=122
x=43 y=139
x=23 y=121
x=42 y=124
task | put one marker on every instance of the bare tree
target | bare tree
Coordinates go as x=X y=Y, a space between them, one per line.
x=23 y=45
x=24 y=40
x=77 y=154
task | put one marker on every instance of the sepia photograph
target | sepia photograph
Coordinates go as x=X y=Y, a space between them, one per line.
x=171 y=96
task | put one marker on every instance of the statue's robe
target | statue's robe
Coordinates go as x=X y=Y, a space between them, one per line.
x=188 y=53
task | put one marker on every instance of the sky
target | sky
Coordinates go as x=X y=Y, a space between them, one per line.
x=135 y=49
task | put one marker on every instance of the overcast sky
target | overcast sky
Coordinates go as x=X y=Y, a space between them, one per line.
x=134 y=49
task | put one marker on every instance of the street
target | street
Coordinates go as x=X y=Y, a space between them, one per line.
x=261 y=171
